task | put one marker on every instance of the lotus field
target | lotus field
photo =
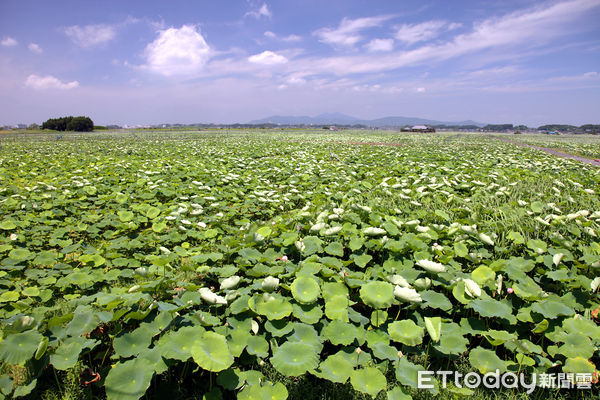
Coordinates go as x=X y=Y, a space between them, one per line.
x=263 y=265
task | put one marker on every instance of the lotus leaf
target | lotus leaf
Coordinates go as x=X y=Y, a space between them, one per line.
x=406 y=332
x=211 y=352
x=377 y=294
x=19 y=347
x=335 y=369
x=128 y=380
x=368 y=380
x=267 y=391
x=486 y=360
x=294 y=358
x=305 y=289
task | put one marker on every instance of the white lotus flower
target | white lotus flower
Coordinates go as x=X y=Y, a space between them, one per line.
x=398 y=280
x=270 y=283
x=407 y=294
x=431 y=266
x=332 y=231
x=373 y=231
x=230 y=283
x=556 y=259
x=210 y=297
x=486 y=239
x=317 y=227
x=472 y=288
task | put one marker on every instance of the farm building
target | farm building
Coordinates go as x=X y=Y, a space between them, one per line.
x=418 y=128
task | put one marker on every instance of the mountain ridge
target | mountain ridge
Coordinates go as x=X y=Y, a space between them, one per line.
x=343 y=119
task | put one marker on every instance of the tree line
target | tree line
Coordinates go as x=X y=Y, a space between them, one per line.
x=78 y=124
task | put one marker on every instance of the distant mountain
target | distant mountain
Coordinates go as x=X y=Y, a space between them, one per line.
x=342 y=119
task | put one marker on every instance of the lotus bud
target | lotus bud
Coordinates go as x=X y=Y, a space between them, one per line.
x=499 y=280
x=332 y=231
x=317 y=227
x=207 y=295
x=373 y=231
x=423 y=283
x=398 y=280
x=472 y=288
x=486 y=239
x=557 y=258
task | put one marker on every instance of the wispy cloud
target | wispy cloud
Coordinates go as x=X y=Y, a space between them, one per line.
x=48 y=82
x=35 y=48
x=422 y=32
x=348 y=31
x=262 y=11
x=382 y=45
x=177 y=51
x=91 y=35
x=288 y=38
x=8 y=42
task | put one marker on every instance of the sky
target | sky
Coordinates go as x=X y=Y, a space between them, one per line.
x=183 y=61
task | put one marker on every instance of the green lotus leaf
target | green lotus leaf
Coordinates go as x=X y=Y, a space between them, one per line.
x=306 y=334
x=230 y=378
x=132 y=343
x=211 y=352
x=398 y=393
x=437 y=300
x=128 y=380
x=237 y=341
x=331 y=289
x=305 y=289
x=335 y=369
x=486 y=360
x=452 y=343
x=84 y=321
x=7 y=225
x=527 y=289
x=258 y=346
x=177 y=345
x=338 y=332
x=159 y=226
x=279 y=328
x=579 y=365
x=9 y=296
x=335 y=249
x=20 y=254
x=125 y=215
x=407 y=374
x=491 y=308
x=294 y=358
x=483 y=274
x=583 y=326
x=311 y=245
x=45 y=258
x=267 y=391
x=66 y=356
x=152 y=212
x=378 y=317
x=552 y=309
x=41 y=349
x=434 y=327
x=362 y=260
x=497 y=338
x=309 y=314
x=368 y=380
x=461 y=249
x=273 y=307
x=155 y=359
x=336 y=308
x=377 y=294
x=406 y=332
x=385 y=352
x=577 y=345
x=19 y=347
x=459 y=291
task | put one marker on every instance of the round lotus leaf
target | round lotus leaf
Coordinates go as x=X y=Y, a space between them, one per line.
x=491 y=308
x=306 y=334
x=45 y=258
x=452 y=343
x=20 y=254
x=155 y=359
x=177 y=345
x=336 y=308
x=335 y=249
x=338 y=332
x=305 y=289
x=582 y=325
x=335 y=369
x=368 y=380
x=159 y=226
x=486 y=360
x=132 y=343
x=497 y=338
x=84 y=321
x=66 y=356
x=211 y=352
x=309 y=314
x=362 y=260
x=407 y=373
x=577 y=345
x=398 y=393
x=7 y=225
x=237 y=341
x=433 y=299
x=483 y=274
x=230 y=378
x=377 y=294
x=384 y=351
x=258 y=346
x=279 y=328
x=331 y=289
x=579 y=365
x=268 y=391
x=378 y=317
x=152 y=212
x=295 y=358
x=272 y=307
x=128 y=380
x=552 y=309
x=406 y=332
x=9 y=296
x=125 y=215
x=18 y=348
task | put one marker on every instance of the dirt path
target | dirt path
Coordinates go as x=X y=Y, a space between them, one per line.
x=552 y=151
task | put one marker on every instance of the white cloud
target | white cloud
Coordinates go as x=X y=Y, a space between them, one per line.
x=35 y=48
x=180 y=51
x=270 y=35
x=8 y=42
x=347 y=33
x=267 y=58
x=48 y=82
x=91 y=35
x=380 y=45
x=289 y=38
x=263 y=11
x=419 y=32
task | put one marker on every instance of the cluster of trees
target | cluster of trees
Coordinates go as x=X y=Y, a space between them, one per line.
x=78 y=124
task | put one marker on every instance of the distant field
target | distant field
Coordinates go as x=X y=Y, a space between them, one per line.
x=294 y=264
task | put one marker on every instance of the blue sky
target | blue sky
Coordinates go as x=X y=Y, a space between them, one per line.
x=147 y=62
